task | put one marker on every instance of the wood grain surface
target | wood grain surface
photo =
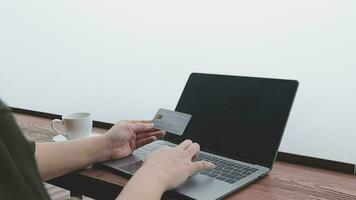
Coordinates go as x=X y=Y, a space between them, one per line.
x=285 y=181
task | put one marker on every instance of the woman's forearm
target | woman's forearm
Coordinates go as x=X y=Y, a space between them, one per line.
x=58 y=158
x=143 y=185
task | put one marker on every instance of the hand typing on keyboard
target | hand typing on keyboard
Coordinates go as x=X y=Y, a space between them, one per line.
x=171 y=166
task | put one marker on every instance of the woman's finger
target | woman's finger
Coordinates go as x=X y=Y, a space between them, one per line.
x=137 y=121
x=202 y=165
x=184 y=145
x=132 y=144
x=146 y=131
x=145 y=141
x=193 y=150
x=141 y=127
x=158 y=134
x=195 y=158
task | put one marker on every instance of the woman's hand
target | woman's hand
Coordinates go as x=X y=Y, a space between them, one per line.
x=172 y=166
x=164 y=170
x=126 y=136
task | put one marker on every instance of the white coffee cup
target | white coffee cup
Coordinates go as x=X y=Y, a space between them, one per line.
x=76 y=125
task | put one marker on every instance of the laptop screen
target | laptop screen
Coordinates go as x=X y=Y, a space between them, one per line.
x=242 y=118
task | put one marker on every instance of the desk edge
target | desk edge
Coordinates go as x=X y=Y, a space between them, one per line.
x=282 y=156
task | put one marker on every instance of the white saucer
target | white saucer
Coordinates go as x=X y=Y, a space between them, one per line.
x=60 y=138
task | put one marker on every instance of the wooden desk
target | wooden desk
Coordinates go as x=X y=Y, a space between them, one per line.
x=285 y=181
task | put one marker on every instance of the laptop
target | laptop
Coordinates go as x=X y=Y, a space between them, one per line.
x=238 y=122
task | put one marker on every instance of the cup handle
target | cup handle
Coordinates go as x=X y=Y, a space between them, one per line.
x=53 y=122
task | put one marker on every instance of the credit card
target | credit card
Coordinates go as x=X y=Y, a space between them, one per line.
x=171 y=121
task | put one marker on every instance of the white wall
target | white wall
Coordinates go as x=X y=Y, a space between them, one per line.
x=125 y=59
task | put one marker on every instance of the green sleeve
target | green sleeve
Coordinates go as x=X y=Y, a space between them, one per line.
x=32 y=145
x=19 y=176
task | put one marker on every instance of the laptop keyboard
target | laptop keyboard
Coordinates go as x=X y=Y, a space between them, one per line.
x=227 y=171
x=147 y=149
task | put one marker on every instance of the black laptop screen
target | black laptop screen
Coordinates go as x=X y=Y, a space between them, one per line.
x=238 y=117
